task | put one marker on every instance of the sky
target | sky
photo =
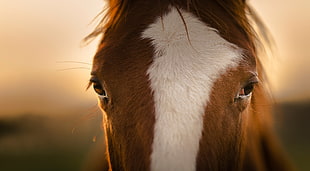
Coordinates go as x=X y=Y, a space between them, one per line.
x=36 y=36
x=39 y=37
x=289 y=24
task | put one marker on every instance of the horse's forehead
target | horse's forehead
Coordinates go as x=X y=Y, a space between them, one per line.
x=115 y=48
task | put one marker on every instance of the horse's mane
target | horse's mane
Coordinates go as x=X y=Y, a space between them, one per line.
x=115 y=9
x=241 y=12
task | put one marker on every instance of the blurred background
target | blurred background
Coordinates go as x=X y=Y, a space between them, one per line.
x=48 y=121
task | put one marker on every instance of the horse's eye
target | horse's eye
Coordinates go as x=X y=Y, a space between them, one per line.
x=99 y=89
x=246 y=91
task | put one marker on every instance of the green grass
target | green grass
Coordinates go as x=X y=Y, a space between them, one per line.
x=35 y=143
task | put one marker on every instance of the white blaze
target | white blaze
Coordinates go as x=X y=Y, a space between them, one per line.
x=182 y=75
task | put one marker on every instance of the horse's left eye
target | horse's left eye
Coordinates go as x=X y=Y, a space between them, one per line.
x=247 y=90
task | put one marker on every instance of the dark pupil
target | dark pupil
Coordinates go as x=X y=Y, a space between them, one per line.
x=99 y=90
x=248 y=89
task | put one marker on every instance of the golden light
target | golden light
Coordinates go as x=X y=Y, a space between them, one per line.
x=37 y=36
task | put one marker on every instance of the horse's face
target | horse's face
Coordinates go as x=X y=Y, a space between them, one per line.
x=175 y=92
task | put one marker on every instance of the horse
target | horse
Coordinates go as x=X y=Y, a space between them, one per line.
x=182 y=87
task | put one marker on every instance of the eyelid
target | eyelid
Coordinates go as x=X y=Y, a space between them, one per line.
x=93 y=79
x=253 y=80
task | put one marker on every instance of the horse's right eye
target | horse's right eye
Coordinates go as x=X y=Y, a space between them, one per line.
x=99 y=89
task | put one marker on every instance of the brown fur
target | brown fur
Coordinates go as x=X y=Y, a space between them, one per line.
x=236 y=135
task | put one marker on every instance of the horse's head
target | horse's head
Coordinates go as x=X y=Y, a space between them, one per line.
x=180 y=86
